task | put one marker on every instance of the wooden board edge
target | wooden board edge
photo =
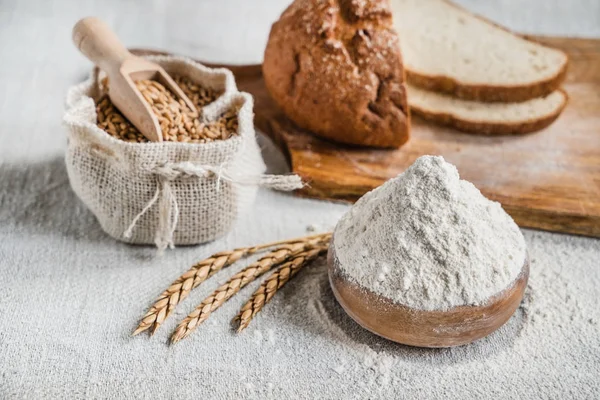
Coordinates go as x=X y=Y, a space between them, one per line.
x=524 y=218
x=550 y=221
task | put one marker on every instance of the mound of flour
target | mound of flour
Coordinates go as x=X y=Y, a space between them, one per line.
x=429 y=240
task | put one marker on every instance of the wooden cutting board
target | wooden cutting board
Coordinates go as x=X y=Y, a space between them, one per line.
x=548 y=180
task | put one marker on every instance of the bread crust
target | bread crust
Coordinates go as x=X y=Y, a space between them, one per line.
x=492 y=128
x=335 y=69
x=489 y=93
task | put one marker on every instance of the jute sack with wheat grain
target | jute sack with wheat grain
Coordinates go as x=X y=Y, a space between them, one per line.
x=167 y=193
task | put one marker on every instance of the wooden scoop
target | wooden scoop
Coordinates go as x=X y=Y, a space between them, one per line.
x=99 y=44
x=402 y=324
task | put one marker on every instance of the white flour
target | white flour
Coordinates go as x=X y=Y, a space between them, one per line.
x=429 y=240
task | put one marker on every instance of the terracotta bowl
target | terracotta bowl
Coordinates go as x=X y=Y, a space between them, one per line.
x=453 y=327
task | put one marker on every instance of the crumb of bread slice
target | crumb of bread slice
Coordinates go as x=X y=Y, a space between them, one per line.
x=447 y=49
x=487 y=118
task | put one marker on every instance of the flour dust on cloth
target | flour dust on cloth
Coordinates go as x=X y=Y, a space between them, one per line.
x=167 y=193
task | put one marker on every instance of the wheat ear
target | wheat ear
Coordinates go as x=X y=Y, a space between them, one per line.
x=241 y=279
x=273 y=283
x=198 y=273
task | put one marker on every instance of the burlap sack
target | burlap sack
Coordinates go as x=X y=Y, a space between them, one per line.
x=167 y=193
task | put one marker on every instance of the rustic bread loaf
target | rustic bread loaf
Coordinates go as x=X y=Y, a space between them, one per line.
x=334 y=67
x=487 y=118
x=447 y=49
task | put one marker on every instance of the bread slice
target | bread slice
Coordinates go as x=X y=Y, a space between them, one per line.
x=447 y=49
x=487 y=118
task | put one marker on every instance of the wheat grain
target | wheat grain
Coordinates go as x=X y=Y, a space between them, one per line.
x=198 y=273
x=177 y=122
x=199 y=95
x=115 y=124
x=241 y=279
x=276 y=281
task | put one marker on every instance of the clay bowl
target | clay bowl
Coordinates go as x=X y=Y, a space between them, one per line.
x=396 y=322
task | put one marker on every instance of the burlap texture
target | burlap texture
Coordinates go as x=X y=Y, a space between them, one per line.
x=167 y=193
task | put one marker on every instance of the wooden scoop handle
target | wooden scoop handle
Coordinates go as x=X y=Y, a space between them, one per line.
x=100 y=44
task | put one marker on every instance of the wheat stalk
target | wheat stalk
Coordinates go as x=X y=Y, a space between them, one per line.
x=241 y=279
x=276 y=281
x=198 y=273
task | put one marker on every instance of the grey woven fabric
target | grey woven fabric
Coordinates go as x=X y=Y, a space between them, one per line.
x=71 y=295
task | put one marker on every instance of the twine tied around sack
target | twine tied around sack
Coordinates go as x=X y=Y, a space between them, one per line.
x=168 y=209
